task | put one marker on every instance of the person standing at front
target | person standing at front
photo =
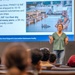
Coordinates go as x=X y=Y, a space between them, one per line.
x=59 y=39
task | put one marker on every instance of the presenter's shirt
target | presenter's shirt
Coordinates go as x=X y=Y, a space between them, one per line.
x=58 y=43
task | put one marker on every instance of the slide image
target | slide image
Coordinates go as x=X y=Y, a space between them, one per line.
x=44 y=16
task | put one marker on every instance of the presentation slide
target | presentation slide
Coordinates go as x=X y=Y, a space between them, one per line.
x=35 y=20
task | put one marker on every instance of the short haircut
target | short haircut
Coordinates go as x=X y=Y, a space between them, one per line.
x=36 y=56
x=16 y=55
x=52 y=57
x=59 y=24
x=46 y=53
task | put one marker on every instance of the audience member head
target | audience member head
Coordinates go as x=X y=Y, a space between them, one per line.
x=16 y=56
x=71 y=61
x=52 y=58
x=46 y=53
x=36 y=57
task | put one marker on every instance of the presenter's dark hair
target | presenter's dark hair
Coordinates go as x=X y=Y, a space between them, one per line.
x=60 y=24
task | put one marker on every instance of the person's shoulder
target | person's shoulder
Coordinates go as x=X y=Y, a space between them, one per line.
x=54 y=33
x=64 y=33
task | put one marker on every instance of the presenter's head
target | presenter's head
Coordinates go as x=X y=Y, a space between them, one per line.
x=59 y=27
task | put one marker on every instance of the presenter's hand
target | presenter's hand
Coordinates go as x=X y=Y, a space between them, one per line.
x=51 y=39
x=66 y=40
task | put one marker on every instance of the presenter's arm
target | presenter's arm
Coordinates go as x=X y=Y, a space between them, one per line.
x=51 y=39
x=66 y=40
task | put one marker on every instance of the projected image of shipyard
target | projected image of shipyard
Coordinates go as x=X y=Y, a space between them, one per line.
x=44 y=16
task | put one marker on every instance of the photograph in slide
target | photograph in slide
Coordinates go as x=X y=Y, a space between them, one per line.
x=43 y=16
